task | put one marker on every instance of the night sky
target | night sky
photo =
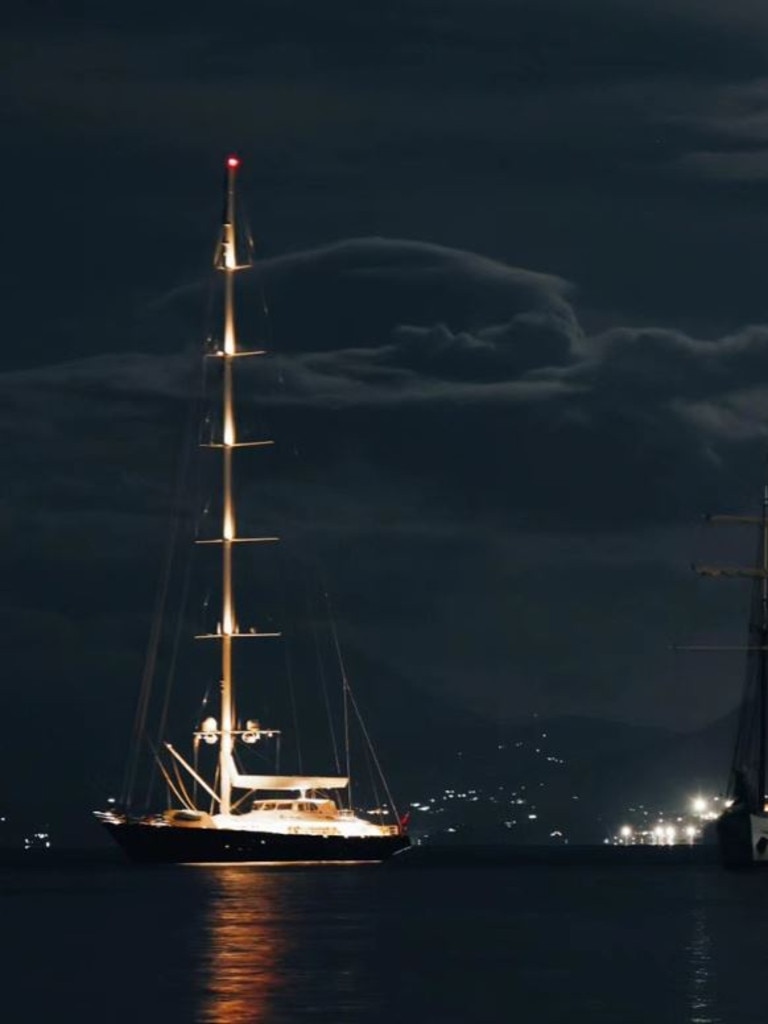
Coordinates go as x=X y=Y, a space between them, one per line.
x=516 y=255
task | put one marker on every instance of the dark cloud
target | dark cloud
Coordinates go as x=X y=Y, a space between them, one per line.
x=739 y=165
x=429 y=358
x=468 y=465
x=546 y=134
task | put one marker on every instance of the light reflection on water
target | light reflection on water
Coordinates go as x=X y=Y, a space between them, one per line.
x=245 y=945
x=699 y=952
x=279 y=946
x=265 y=954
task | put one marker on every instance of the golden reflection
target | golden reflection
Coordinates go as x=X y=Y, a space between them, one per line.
x=247 y=944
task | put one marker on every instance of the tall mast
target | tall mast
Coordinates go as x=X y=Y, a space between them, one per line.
x=763 y=681
x=227 y=263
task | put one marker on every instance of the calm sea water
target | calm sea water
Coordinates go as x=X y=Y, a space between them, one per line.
x=546 y=945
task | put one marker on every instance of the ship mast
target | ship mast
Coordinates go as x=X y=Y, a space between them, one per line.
x=228 y=264
x=763 y=634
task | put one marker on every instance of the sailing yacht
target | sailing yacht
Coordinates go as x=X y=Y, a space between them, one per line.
x=742 y=828
x=236 y=815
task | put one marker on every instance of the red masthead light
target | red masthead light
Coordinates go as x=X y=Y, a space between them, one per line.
x=233 y=162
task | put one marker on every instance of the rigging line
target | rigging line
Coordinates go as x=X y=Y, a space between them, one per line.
x=170 y=784
x=192 y=413
x=373 y=784
x=153 y=644
x=283 y=556
x=346 y=694
x=176 y=646
x=242 y=799
x=196 y=766
x=182 y=788
x=323 y=680
x=372 y=750
x=145 y=690
x=157 y=763
x=374 y=790
x=250 y=792
x=164 y=772
x=265 y=310
x=288 y=662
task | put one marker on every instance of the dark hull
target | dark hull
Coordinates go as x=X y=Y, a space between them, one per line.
x=742 y=838
x=168 y=844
